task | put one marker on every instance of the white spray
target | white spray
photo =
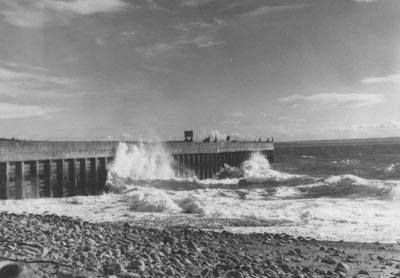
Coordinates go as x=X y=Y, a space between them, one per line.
x=257 y=169
x=140 y=162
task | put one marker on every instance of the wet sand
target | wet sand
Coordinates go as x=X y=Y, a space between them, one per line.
x=59 y=246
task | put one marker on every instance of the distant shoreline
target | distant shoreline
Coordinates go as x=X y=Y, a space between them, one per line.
x=386 y=140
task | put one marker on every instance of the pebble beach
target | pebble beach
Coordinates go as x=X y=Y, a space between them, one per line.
x=48 y=245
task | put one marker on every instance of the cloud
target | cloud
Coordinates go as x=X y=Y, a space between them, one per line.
x=392 y=124
x=194 y=3
x=24 y=18
x=391 y=78
x=152 y=5
x=334 y=99
x=37 y=13
x=36 y=84
x=22 y=66
x=235 y=114
x=202 y=41
x=11 y=75
x=157 y=49
x=264 y=10
x=128 y=35
x=191 y=25
x=17 y=111
x=100 y=41
x=85 y=7
x=200 y=25
x=293 y=120
x=231 y=122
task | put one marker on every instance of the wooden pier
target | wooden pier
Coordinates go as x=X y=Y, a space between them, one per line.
x=38 y=169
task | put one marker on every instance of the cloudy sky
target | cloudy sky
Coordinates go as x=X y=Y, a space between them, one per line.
x=292 y=69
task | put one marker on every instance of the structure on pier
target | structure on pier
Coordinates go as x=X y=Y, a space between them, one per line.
x=36 y=169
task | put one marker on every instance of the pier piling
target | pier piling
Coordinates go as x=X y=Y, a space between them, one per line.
x=4 y=180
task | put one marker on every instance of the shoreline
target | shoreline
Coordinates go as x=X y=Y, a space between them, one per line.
x=333 y=227
x=124 y=250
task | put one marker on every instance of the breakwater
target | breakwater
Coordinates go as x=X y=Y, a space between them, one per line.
x=36 y=169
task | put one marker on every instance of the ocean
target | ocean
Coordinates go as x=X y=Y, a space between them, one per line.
x=332 y=192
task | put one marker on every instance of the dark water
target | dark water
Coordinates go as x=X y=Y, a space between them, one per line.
x=379 y=161
x=349 y=192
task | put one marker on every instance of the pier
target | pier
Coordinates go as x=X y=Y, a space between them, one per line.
x=39 y=169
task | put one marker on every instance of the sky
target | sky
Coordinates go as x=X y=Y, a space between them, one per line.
x=138 y=69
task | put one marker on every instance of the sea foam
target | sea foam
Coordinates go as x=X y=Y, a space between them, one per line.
x=139 y=162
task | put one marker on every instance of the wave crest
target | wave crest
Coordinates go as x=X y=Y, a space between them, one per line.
x=140 y=161
x=150 y=200
x=257 y=169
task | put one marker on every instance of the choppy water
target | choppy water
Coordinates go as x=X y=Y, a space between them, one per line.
x=327 y=192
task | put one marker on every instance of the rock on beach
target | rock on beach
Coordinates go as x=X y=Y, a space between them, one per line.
x=57 y=246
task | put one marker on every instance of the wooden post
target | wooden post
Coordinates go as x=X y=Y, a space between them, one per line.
x=194 y=164
x=102 y=175
x=72 y=177
x=181 y=165
x=222 y=162
x=94 y=176
x=186 y=165
x=197 y=165
x=209 y=168
x=83 y=188
x=228 y=158
x=4 y=180
x=270 y=156
x=215 y=163
x=191 y=164
x=201 y=166
x=218 y=162
x=35 y=179
x=48 y=185
x=19 y=180
x=205 y=165
x=60 y=178
x=175 y=165
x=234 y=162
